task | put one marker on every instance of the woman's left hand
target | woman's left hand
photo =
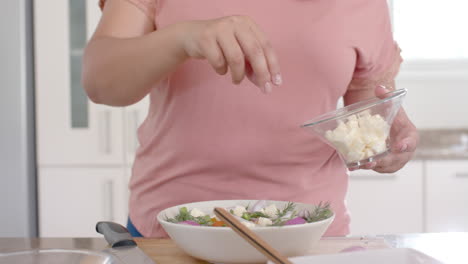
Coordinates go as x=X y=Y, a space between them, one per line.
x=404 y=139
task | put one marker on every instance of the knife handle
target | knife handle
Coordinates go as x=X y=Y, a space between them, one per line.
x=115 y=234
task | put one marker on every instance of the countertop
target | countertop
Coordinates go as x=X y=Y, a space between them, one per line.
x=442 y=144
x=448 y=247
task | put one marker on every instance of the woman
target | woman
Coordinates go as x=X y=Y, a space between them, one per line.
x=207 y=137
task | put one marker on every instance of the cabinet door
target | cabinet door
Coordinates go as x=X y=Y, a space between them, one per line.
x=73 y=200
x=71 y=129
x=134 y=116
x=447 y=196
x=128 y=175
x=386 y=203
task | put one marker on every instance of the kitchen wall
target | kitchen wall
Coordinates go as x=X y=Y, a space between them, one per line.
x=435 y=70
x=437 y=98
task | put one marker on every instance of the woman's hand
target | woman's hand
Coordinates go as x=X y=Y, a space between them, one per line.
x=404 y=137
x=235 y=43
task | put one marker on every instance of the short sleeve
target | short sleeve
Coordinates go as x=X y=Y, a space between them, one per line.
x=378 y=56
x=148 y=7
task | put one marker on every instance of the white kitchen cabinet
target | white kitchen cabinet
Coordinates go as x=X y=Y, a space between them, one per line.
x=447 y=196
x=72 y=201
x=84 y=151
x=386 y=203
x=71 y=129
x=133 y=117
x=128 y=175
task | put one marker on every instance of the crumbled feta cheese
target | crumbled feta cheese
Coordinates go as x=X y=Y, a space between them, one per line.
x=362 y=136
x=196 y=213
x=270 y=210
x=248 y=224
x=369 y=153
x=214 y=217
x=355 y=155
x=239 y=210
x=379 y=146
x=262 y=221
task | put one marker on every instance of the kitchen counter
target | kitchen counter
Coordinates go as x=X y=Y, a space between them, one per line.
x=448 y=247
x=442 y=144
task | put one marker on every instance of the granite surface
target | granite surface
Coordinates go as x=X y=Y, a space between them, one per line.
x=442 y=144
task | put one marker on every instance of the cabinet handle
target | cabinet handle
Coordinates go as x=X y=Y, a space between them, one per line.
x=461 y=174
x=385 y=176
x=133 y=120
x=105 y=132
x=108 y=200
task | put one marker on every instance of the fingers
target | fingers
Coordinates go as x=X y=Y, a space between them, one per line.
x=411 y=143
x=389 y=164
x=367 y=166
x=392 y=162
x=236 y=43
x=401 y=153
x=407 y=144
x=380 y=91
x=404 y=141
x=404 y=134
x=234 y=56
x=254 y=53
x=270 y=55
x=214 y=55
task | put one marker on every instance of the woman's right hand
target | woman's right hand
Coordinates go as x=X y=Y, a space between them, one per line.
x=235 y=43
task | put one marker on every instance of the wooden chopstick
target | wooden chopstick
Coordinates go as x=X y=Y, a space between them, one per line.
x=262 y=246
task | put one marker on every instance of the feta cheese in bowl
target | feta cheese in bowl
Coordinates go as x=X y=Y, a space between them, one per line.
x=360 y=137
x=239 y=210
x=196 y=212
x=359 y=132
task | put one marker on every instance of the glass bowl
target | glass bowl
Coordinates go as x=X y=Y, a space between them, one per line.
x=359 y=132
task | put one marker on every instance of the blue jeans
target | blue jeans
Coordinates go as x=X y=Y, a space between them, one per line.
x=132 y=229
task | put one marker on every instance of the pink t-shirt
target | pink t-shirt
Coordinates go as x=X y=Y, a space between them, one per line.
x=207 y=139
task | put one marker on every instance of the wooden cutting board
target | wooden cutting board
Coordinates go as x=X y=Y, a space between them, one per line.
x=166 y=251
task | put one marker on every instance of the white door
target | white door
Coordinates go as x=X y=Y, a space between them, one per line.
x=73 y=200
x=71 y=129
x=447 y=196
x=386 y=203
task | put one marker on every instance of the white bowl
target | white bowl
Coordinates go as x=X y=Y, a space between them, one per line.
x=223 y=245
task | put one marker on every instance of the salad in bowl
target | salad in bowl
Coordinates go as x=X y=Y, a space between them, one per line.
x=259 y=214
x=291 y=228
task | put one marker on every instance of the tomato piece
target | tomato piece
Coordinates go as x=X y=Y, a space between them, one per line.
x=219 y=223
